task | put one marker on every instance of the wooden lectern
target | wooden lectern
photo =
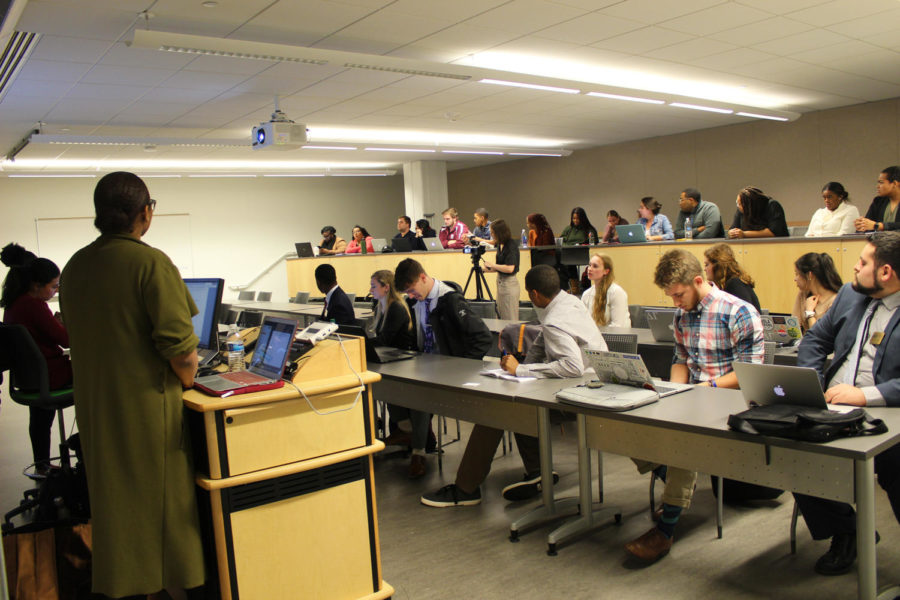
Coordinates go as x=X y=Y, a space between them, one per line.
x=288 y=497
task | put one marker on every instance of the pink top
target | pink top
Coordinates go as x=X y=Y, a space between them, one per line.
x=353 y=246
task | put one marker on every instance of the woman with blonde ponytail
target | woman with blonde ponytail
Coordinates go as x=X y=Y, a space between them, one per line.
x=606 y=300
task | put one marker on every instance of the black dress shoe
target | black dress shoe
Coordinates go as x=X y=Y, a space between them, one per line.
x=841 y=555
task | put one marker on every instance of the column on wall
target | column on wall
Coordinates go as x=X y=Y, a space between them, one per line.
x=425 y=190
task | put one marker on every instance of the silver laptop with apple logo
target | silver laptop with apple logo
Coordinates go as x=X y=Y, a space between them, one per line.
x=763 y=385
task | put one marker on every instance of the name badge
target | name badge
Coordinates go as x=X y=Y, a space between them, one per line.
x=876 y=338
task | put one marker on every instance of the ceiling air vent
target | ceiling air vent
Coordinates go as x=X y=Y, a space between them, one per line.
x=14 y=56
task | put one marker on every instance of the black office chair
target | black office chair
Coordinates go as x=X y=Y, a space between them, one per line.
x=263 y=296
x=246 y=295
x=29 y=385
x=250 y=318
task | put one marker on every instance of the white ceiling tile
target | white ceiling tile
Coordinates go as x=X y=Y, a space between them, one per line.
x=458 y=10
x=888 y=39
x=690 y=50
x=589 y=29
x=870 y=65
x=837 y=11
x=825 y=55
x=526 y=16
x=780 y=7
x=49 y=70
x=767 y=69
x=122 y=55
x=732 y=58
x=657 y=11
x=46 y=89
x=715 y=19
x=464 y=38
x=761 y=31
x=110 y=74
x=643 y=40
x=586 y=4
x=96 y=110
x=70 y=49
x=864 y=27
x=166 y=94
x=193 y=80
x=395 y=29
x=800 y=42
x=106 y=92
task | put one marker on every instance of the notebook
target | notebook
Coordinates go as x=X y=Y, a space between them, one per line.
x=661 y=324
x=379 y=244
x=626 y=383
x=304 y=249
x=631 y=234
x=433 y=244
x=784 y=330
x=763 y=385
x=266 y=366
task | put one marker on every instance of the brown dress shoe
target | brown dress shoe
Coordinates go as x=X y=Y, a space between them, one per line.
x=398 y=438
x=417 y=466
x=651 y=546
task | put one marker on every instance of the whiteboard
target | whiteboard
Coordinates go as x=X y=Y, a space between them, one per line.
x=59 y=238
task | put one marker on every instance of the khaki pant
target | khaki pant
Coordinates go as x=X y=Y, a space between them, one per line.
x=679 y=483
x=508 y=297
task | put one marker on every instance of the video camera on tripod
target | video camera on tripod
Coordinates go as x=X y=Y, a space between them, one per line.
x=475 y=250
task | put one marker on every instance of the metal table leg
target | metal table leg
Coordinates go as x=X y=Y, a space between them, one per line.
x=865 y=528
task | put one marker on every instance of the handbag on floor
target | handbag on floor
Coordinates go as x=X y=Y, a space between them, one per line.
x=805 y=423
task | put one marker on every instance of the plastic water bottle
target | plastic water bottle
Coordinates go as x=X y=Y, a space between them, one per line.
x=235 y=346
x=688 y=233
x=524 y=239
x=591 y=240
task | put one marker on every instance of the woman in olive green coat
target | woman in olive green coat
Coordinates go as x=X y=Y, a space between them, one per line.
x=128 y=314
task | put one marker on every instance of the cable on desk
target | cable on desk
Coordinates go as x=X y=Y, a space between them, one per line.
x=362 y=387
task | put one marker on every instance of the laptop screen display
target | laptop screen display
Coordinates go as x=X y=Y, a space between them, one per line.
x=272 y=347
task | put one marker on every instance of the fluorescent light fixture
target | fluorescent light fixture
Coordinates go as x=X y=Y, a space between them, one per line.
x=50 y=176
x=533 y=154
x=216 y=175
x=628 y=98
x=491 y=152
x=531 y=86
x=115 y=140
x=166 y=166
x=294 y=175
x=724 y=111
x=407 y=71
x=330 y=148
x=429 y=138
x=758 y=116
x=399 y=150
x=145 y=176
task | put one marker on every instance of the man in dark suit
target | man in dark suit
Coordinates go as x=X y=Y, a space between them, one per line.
x=865 y=371
x=338 y=307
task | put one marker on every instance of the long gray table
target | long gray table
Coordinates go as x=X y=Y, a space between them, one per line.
x=689 y=430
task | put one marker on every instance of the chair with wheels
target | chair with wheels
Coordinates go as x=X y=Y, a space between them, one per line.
x=264 y=296
x=29 y=385
x=301 y=298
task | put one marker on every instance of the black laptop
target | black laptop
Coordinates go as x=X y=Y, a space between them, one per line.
x=401 y=245
x=304 y=249
x=377 y=354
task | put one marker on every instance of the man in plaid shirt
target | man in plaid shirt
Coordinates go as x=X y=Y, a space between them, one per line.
x=712 y=330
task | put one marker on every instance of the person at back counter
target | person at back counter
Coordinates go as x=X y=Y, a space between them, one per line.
x=706 y=222
x=757 y=216
x=882 y=213
x=331 y=243
x=404 y=231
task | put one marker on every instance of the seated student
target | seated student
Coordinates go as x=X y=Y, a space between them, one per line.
x=837 y=217
x=361 y=242
x=713 y=329
x=331 y=243
x=612 y=219
x=556 y=352
x=539 y=231
x=481 y=232
x=579 y=230
x=30 y=283
x=818 y=283
x=424 y=229
x=656 y=226
x=338 y=307
x=882 y=213
x=444 y=325
x=706 y=222
x=404 y=224
x=723 y=269
x=861 y=373
x=605 y=300
x=454 y=233
x=757 y=216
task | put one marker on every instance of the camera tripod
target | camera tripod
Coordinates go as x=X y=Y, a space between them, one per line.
x=480 y=281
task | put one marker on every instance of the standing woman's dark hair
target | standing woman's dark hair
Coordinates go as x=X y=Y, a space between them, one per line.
x=501 y=232
x=25 y=270
x=118 y=199
x=821 y=265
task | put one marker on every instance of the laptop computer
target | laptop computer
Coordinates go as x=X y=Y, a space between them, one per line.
x=304 y=249
x=661 y=324
x=401 y=245
x=266 y=366
x=377 y=354
x=631 y=234
x=784 y=330
x=379 y=244
x=626 y=383
x=433 y=244
x=763 y=385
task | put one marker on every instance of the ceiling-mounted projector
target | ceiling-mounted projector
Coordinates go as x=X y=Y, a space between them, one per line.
x=279 y=133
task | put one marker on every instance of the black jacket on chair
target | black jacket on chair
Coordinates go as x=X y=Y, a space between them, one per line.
x=339 y=308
